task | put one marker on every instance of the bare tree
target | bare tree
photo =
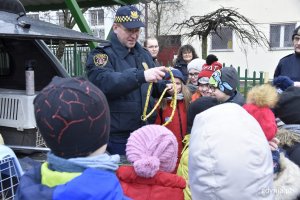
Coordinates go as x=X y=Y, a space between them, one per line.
x=160 y=12
x=69 y=22
x=202 y=26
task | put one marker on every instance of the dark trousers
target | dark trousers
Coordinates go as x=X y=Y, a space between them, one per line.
x=117 y=143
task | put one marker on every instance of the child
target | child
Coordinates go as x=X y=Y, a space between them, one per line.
x=229 y=157
x=223 y=86
x=194 y=67
x=73 y=117
x=288 y=110
x=260 y=100
x=208 y=69
x=179 y=121
x=152 y=150
x=195 y=108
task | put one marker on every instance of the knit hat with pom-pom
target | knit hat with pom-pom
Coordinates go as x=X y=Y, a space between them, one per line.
x=259 y=101
x=152 y=148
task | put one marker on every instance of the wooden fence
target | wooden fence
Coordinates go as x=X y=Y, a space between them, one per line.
x=74 y=60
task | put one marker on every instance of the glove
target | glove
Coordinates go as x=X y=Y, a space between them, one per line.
x=282 y=82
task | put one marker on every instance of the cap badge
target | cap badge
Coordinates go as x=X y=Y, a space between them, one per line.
x=134 y=14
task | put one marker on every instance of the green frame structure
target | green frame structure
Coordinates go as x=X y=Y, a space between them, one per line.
x=75 y=8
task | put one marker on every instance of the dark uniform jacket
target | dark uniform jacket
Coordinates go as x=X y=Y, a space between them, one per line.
x=289 y=66
x=181 y=65
x=119 y=73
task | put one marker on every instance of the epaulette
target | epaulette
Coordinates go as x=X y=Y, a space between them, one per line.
x=287 y=56
x=104 y=44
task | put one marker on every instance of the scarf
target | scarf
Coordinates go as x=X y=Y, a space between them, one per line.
x=102 y=161
x=179 y=97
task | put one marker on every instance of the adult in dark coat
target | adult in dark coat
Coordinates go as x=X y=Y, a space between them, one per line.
x=151 y=44
x=123 y=69
x=290 y=65
x=185 y=55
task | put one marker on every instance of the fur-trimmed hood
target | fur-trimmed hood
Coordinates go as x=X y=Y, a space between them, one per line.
x=286 y=183
x=288 y=137
x=263 y=96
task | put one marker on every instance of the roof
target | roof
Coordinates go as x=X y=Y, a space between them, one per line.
x=14 y=26
x=43 y=5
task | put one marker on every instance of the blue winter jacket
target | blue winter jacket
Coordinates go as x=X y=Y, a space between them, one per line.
x=92 y=184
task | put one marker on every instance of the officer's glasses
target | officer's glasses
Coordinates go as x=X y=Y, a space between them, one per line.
x=130 y=30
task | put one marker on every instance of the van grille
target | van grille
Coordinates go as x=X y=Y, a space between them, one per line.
x=9 y=108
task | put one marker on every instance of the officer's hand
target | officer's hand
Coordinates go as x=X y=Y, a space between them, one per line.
x=155 y=74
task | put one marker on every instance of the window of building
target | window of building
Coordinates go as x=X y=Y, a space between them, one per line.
x=99 y=33
x=61 y=19
x=281 y=35
x=222 y=40
x=34 y=16
x=97 y=17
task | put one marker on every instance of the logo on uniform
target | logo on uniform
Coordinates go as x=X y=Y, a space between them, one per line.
x=100 y=60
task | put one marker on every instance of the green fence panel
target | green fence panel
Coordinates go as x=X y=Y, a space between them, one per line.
x=246 y=82
x=75 y=56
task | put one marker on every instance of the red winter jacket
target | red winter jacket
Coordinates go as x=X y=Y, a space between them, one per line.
x=162 y=186
x=179 y=123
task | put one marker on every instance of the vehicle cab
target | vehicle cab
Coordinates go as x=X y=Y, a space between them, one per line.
x=22 y=47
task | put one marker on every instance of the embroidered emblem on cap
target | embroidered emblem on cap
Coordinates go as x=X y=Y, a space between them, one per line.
x=100 y=60
x=134 y=15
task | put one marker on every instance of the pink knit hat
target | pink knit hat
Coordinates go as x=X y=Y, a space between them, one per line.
x=152 y=148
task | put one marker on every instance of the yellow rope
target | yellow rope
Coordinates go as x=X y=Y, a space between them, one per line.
x=173 y=103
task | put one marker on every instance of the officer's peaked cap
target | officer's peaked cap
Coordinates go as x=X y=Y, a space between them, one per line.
x=129 y=16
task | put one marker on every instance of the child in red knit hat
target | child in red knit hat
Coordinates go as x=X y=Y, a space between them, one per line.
x=260 y=100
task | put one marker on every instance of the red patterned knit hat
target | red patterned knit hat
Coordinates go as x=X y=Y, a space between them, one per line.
x=73 y=117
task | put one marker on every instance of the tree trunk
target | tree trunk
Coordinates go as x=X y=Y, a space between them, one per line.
x=204 y=46
x=158 y=11
x=60 y=50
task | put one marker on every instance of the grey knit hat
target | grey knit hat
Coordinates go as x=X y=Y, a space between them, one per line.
x=225 y=80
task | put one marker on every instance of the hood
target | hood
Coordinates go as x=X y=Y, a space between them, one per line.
x=287 y=181
x=230 y=157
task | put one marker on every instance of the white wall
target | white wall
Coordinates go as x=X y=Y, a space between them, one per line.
x=262 y=12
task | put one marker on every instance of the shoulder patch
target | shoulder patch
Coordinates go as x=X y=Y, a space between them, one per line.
x=100 y=59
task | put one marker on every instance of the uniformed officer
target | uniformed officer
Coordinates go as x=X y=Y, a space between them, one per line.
x=290 y=65
x=122 y=69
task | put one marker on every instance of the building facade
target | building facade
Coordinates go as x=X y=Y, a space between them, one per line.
x=275 y=18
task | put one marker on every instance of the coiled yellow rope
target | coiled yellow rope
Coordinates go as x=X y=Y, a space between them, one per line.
x=173 y=103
